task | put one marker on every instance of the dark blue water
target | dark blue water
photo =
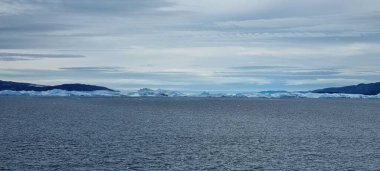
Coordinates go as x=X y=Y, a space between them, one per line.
x=72 y=133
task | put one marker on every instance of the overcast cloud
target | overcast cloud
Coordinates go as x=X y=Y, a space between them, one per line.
x=232 y=45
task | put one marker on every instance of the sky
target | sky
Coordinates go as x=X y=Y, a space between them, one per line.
x=202 y=45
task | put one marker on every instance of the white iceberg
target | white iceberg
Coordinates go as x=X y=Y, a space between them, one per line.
x=145 y=92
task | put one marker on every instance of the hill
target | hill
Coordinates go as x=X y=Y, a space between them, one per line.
x=17 y=86
x=366 y=89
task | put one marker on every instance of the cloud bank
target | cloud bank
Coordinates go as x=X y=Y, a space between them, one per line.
x=191 y=45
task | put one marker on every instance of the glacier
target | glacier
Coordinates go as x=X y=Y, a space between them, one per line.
x=145 y=92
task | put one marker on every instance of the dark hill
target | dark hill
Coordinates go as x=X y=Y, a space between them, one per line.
x=366 y=89
x=16 y=86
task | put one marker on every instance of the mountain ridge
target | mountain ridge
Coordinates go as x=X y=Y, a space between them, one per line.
x=365 y=89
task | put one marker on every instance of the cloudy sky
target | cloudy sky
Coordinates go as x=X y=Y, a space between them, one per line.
x=231 y=45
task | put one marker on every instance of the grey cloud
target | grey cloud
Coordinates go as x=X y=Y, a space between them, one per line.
x=123 y=6
x=68 y=24
x=309 y=27
x=280 y=72
x=72 y=24
x=97 y=7
x=31 y=56
x=262 y=67
x=92 y=68
x=14 y=7
x=26 y=27
x=96 y=73
x=293 y=70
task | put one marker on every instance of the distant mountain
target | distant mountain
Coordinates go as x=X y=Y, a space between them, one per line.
x=366 y=89
x=16 y=86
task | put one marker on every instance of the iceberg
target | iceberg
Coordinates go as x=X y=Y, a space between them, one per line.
x=284 y=94
x=146 y=92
